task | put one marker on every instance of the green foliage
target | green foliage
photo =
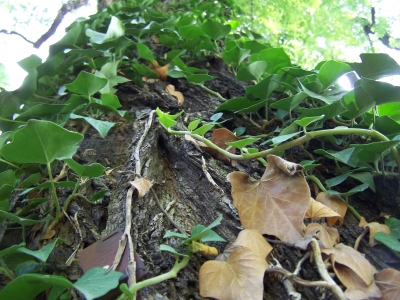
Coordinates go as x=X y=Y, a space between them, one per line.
x=80 y=79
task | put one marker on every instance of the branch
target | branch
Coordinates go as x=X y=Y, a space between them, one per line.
x=16 y=33
x=66 y=8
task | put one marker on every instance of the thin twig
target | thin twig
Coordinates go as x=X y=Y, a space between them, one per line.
x=298 y=267
x=293 y=294
x=359 y=238
x=336 y=290
x=210 y=179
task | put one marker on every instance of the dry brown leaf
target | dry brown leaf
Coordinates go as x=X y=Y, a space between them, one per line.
x=277 y=203
x=317 y=210
x=356 y=289
x=353 y=270
x=252 y=239
x=204 y=249
x=230 y=247
x=161 y=71
x=177 y=95
x=143 y=185
x=240 y=277
x=374 y=227
x=337 y=204
x=155 y=39
x=388 y=281
x=219 y=137
x=328 y=236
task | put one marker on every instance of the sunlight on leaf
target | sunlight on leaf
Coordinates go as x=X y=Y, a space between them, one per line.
x=317 y=210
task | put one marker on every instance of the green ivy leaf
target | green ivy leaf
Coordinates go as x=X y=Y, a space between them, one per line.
x=276 y=58
x=388 y=240
x=242 y=143
x=102 y=127
x=86 y=84
x=263 y=89
x=97 y=282
x=215 y=30
x=44 y=139
x=331 y=71
x=203 y=129
x=376 y=66
x=42 y=254
x=174 y=234
x=23 y=221
x=31 y=180
x=170 y=249
x=394 y=225
x=304 y=122
x=145 y=52
x=252 y=71
x=30 y=62
x=199 y=78
x=193 y=125
x=92 y=170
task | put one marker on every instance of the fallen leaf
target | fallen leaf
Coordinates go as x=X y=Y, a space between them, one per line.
x=204 y=249
x=388 y=281
x=252 y=239
x=374 y=227
x=327 y=235
x=219 y=137
x=317 y=210
x=143 y=185
x=240 y=277
x=337 y=204
x=161 y=71
x=177 y=95
x=277 y=203
x=354 y=271
x=230 y=247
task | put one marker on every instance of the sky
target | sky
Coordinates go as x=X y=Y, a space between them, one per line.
x=13 y=48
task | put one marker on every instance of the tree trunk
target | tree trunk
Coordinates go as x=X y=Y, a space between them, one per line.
x=174 y=166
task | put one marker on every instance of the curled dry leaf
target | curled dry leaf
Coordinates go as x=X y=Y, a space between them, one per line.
x=161 y=71
x=219 y=137
x=374 y=227
x=177 y=95
x=240 y=277
x=204 y=249
x=388 y=281
x=354 y=272
x=337 y=204
x=277 y=203
x=317 y=210
x=328 y=236
x=143 y=185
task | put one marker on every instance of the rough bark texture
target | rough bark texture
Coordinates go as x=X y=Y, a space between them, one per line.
x=174 y=167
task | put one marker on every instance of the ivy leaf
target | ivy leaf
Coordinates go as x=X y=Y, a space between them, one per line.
x=44 y=139
x=331 y=71
x=215 y=30
x=277 y=203
x=276 y=58
x=42 y=254
x=252 y=71
x=170 y=249
x=92 y=170
x=97 y=282
x=240 y=277
x=376 y=65
x=145 y=52
x=86 y=84
x=103 y=127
